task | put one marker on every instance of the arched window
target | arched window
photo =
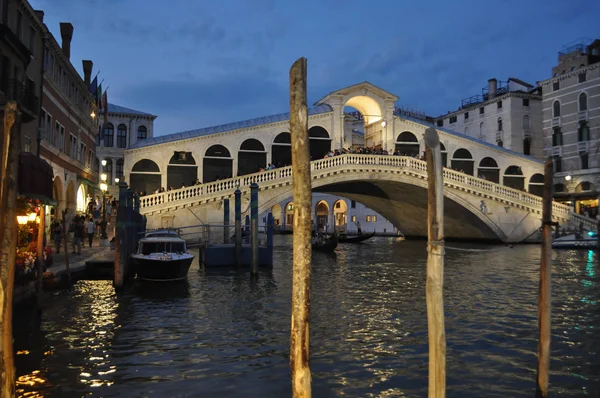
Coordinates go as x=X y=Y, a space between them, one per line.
x=582 y=102
x=142 y=133
x=109 y=135
x=556 y=109
x=499 y=124
x=122 y=136
x=525 y=122
x=119 y=171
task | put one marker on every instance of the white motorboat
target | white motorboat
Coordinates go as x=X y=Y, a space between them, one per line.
x=576 y=241
x=162 y=258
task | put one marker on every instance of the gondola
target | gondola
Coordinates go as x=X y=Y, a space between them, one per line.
x=323 y=243
x=343 y=238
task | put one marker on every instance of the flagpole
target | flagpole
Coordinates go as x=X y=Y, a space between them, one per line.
x=101 y=82
x=97 y=73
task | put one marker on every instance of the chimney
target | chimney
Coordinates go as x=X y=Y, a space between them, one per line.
x=66 y=32
x=492 y=86
x=40 y=15
x=87 y=71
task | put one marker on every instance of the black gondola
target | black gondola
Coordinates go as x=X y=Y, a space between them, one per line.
x=324 y=243
x=343 y=238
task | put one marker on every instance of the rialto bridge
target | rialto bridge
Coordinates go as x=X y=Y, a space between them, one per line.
x=490 y=192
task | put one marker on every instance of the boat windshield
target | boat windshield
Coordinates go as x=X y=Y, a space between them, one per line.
x=162 y=247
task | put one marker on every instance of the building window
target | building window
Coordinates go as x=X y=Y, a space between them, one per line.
x=452 y=119
x=582 y=77
x=583 y=102
x=353 y=204
x=368 y=218
x=500 y=124
x=583 y=132
x=374 y=218
x=440 y=123
x=557 y=161
x=109 y=135
x=27 y=146
x=466 y=115
x=142 y=133
x=557 y=137
x=525 y=122
x=122 y=136
x=353 y=218
x=555 y=86
x=586 y=186
x=527 y=146
x=73 y=146
x=525 y=101
x=499 y=104
x=82 y=153
x=584 y=161
x=481 y=110
x=108 y=170
x=119 y=170
x=556 y=109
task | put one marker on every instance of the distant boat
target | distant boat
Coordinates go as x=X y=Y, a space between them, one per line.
x=343 y=238
x=576 y=241
x=324 y=243
x=162 y=257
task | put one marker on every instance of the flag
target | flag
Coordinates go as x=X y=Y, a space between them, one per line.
x=93 y=87
x=105 y=103
x=99 y=96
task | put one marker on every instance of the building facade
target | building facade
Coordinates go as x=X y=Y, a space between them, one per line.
x=69 y=126
x=125 y=127
x=571 y=120
x=21 y=55
x=507 y=114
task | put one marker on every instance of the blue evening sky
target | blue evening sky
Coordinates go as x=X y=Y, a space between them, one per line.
x=197 y=63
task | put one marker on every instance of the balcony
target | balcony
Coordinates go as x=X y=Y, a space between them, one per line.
x=14 y=90
x=556 y=121
x=557 y=151
x=583 y=146
x=582 y=115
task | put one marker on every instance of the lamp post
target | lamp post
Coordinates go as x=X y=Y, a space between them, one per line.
x=103 y=188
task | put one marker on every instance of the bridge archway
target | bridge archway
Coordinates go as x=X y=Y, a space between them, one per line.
x=368 y=108
x=462 y=160
x=514 y=178
x=251 y=157
x=57 y=194
x=71 y=198
x=321 y=215
x=182 y=170
x=407 y=144
x=276 y=212
x=340 y=215
x=217 y=164
x=145 y=176
x=319 y=141
x=81 y=202
x=289 y=216
x=536 y=184
x=488 y=169
x=281 y=150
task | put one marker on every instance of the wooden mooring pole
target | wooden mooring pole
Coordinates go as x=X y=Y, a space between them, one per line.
x=254 y=228
x=302 y=253
x=65 y=233
x=238 y=227
x=544 y=297
x=11 y=144
x=435 y=266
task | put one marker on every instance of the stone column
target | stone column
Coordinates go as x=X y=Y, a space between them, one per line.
x=337 y=123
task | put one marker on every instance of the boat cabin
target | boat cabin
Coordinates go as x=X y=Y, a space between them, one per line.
x=161 y=245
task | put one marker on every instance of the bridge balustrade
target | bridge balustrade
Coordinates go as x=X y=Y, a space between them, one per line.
x=409 y=164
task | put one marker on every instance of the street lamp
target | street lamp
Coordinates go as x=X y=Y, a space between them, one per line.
x=103 y=188
x=568 y=177
x=117 y=180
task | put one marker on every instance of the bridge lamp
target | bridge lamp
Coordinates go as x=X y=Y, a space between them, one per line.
x=383 y=124
x=568 y=177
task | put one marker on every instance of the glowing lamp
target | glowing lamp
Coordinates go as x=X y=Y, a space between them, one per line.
x=116 y=180
x=383 y=124
x=32 y=216
x=103 y=177
x=568 y=178
x=103 y=162
x=93 y=114
x=22 y=220
x=103 y=187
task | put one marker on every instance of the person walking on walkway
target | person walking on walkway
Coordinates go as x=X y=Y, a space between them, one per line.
x=77 y=234
x=91 y=229
x=57 y=235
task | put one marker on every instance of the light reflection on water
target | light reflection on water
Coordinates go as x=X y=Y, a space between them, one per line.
x=221 y=334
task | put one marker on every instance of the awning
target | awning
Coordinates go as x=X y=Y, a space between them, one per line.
x=35 y=178
x=87 y=182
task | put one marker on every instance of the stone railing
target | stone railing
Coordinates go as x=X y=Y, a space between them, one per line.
x=320 y=167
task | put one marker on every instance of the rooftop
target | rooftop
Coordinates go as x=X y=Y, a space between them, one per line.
x=223 y=128
x=112 y=108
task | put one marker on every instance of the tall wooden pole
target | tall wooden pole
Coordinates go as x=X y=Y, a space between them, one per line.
x=8 y=243
x=40 y=252
x=435 y=266
x=302 y=254
x=66 y=239
x=544 y=297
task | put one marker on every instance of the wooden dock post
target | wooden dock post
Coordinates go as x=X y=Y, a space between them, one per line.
x=40 y=252
x=254 y=227
x=122 y=238
x=11 y=145
x=226 y=221
x=238 y=227
x=435 y=266
x=302 y=252
x=545 y=288
x=65 y=233
x=247 y=229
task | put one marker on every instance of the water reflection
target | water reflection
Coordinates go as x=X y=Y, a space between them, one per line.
x=222 y=332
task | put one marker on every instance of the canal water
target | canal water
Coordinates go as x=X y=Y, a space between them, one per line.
x=222 y=335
